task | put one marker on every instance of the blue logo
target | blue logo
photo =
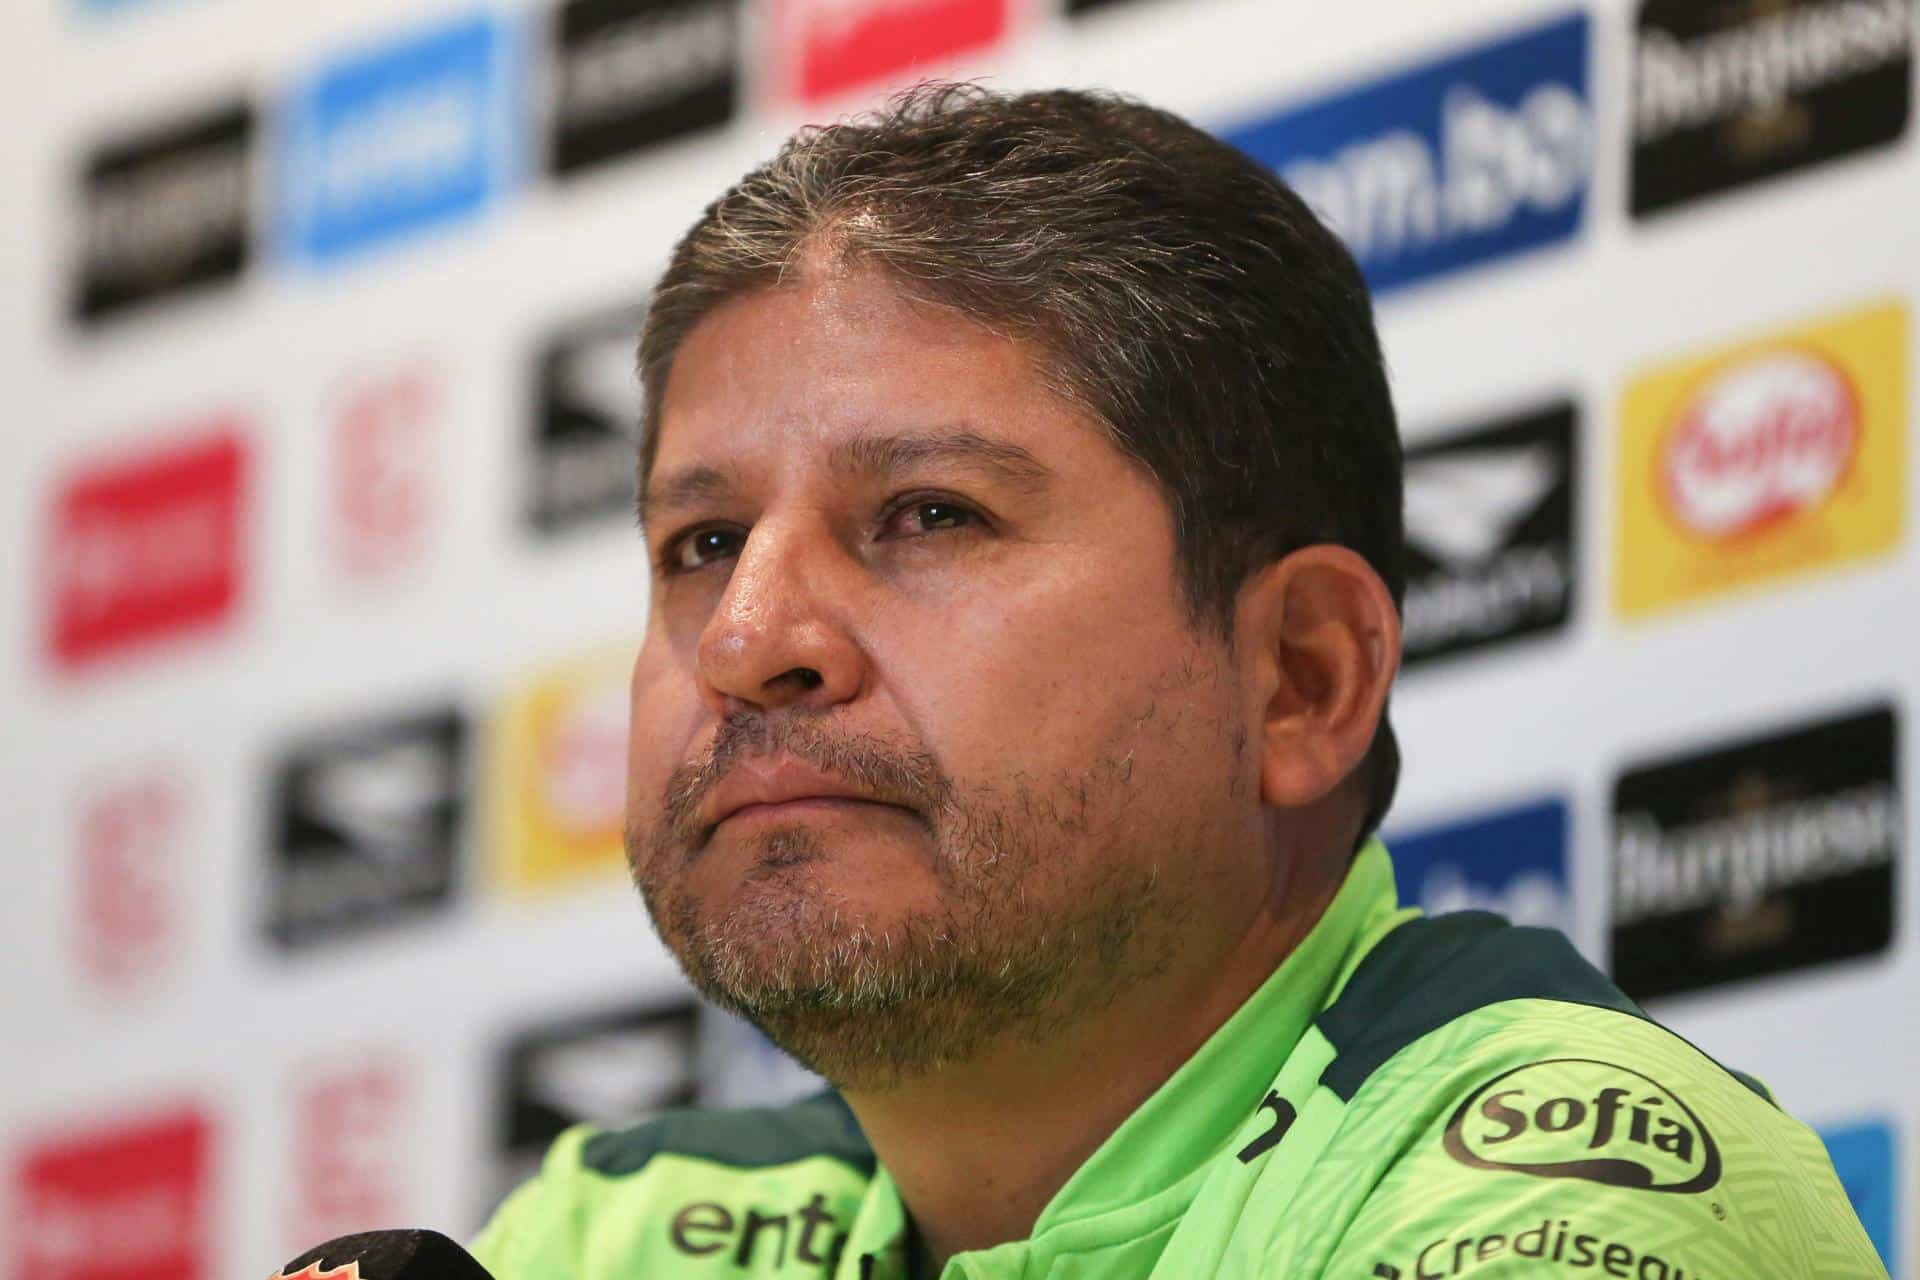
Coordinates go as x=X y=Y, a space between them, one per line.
x=1513 y=862
x=400 y=138
x=1447 y=165
x=1863 y=1157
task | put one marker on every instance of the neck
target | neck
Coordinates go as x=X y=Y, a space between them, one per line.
x=977 y=1150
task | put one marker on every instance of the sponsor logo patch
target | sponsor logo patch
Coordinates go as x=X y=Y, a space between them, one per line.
x=561 y=773
x=399 y=138
x=1585 y=1119
x=1568 y=1242
x=610 y=1067
x=1756 y=858
x=350 y=1146
x=628 y=74
x=1762 y=460
x=366 y=827
x=838 y=45
x=384 y=464
x=1451 y=164
x=148 y=547
x=131 y=869
x=585 y=417
x=1512 y=862
x=1729 y=94
x=166 y=212
x=1490 y=534
x=127 y=1203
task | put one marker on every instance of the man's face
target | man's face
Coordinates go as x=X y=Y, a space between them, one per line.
x=926 y=751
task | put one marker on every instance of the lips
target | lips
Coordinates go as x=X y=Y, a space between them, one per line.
x=764 y=785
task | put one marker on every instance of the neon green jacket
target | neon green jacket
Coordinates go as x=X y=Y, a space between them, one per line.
x=1405 y=1099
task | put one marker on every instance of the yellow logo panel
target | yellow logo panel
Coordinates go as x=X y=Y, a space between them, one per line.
x=559 y=781
x=1773 y=457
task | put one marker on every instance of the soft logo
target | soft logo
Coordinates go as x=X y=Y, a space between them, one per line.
x=1767 y=438
x=1585 y=1119
x=1763 y=458
x=1448 y=165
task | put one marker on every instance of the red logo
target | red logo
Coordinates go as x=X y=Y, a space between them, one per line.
x=382 y=471
x=130 y=1204
x=1771 y=436
x=845 y=43
x=147 y=548
x=129 y=879
x=350 y=1140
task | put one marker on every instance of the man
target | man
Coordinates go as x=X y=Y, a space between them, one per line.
x=1023 y=494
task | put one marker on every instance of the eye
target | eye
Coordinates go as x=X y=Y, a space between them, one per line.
x=929 y=515
x=699 y=548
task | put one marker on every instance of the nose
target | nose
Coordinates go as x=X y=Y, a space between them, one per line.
x=779 y=638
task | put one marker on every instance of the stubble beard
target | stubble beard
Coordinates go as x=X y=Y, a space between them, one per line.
x=1030 y=934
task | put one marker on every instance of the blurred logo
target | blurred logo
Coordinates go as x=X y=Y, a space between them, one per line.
x=1863 y=1156
x=127 y=1203
x=1762 y=460
x=1088 y=6
x=147 y=547
x=350 y=1143
x=611 y=1068
x=383 y=468
x=1756 y=858
x=629 y=74
x=166 y=211
x=844 y=44
x=130 y=867
x=1512 y=862
x=562 y=773
x=399 y=138
x=586 y=417
x=366 y=826
x=1728 y=94
x=1490 y=534
x=1448 y=165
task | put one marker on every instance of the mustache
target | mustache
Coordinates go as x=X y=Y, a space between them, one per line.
x=909 y=778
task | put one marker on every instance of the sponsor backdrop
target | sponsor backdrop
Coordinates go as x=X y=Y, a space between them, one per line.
x=319 y=579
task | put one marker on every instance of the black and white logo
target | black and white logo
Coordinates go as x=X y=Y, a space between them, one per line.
x=166 y=211
x=610 y=1067
x=366 y=827
x=1490 y=530
x=585 y=418
x=628 y=74
x=1756 y=858
x=1727 y=94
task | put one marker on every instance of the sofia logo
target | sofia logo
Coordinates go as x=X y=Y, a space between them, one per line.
x=1768 y=438
x=1580 y=1118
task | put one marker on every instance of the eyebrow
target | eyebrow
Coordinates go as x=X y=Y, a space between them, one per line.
x=865 y=457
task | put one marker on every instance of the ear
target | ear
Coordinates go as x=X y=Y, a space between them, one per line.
x=1322 y=638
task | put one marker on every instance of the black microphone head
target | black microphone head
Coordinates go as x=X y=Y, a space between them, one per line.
x=385 y=1255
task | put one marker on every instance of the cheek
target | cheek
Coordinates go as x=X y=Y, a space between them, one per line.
x=664 y=711
x=1043 y=678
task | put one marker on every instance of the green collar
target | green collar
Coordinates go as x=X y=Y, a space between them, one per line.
x=1144 y=1176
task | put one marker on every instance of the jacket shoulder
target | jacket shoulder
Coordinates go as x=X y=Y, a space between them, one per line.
x=751 y=1138
x=760 y=1188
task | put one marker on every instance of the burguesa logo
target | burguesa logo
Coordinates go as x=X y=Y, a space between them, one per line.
x=1760 y=442
x=1585 y=1119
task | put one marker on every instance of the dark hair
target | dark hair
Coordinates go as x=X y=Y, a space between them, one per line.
x=1182 y=293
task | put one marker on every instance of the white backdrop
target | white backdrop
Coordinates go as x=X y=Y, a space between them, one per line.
x=349 y=683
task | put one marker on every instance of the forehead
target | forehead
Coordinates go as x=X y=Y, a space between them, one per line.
x=790 y=371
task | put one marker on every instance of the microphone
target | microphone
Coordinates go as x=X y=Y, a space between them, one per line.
x=385 y=1255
